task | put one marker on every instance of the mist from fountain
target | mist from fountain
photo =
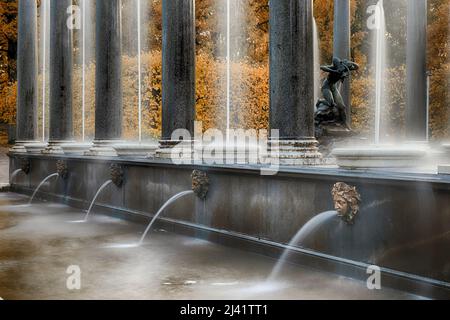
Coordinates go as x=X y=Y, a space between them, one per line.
x=305 y=232
x=40 y=185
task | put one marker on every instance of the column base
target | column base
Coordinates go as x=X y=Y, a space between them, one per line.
x=146 y=150
x=55 y=146
x=28 y=147
x=296 y=152
x=19 y=147
x=218 y=153
x=103 y=148
x=185 y=149
x=75 y=148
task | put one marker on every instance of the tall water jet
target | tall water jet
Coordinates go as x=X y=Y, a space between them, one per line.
x=85 y=61
x=44 y=49
x=379 y=155
x=380 y=52
x=230 y=50
x=135 y=29
x=40 y=185
x=83 y=64
x=228 y=58
x=317 y=84
x=139 y=53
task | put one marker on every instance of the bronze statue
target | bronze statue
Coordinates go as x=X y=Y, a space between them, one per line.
x=332 y=110
x=200 y=183
x=346 y=201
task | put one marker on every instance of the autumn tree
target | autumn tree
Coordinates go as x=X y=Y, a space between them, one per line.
x=8 y=51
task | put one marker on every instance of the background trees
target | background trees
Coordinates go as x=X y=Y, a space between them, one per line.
x=250 y=66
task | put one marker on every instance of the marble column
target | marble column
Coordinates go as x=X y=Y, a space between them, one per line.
x=27 y=71
x=292 y=82
x=108 y=78
x=178 y=88
x=61 y=49
x=416 y=69
x=341 y=45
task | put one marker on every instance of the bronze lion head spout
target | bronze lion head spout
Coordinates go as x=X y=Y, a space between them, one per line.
x=200 y=183
x=117 y=174
x=346 y=201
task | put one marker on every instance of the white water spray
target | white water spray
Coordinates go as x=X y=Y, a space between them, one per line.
x=44 y=9
x=40 y=185
x=168 y=203
x=307 y=230
x=379 y=67
x=139 y=69
x=83 y=81
x=228 y=68
x=317 y=84
x=14 y=175
x=107 y=183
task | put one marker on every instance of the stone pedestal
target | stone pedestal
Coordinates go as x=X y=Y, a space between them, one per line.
x=19 y=147
x=380 y=156
x=176 y=150
x=55 y=146
x=75 y=148
x=35 y=147
x=296 y=152
x=103 y=148
x=141 y=150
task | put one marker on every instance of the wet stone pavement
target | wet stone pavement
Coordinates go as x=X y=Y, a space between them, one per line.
x=39 y=244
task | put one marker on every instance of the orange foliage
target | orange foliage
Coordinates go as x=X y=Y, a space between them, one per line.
x=250 y=92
